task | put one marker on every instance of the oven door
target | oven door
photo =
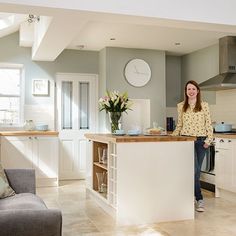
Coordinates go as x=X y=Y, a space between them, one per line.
x=208 y=167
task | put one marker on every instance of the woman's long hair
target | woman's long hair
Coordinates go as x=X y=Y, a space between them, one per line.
x=198 y=106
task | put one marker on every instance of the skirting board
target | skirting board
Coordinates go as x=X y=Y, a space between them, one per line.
x=46 y=182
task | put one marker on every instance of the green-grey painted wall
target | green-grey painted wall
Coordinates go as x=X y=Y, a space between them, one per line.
x=72 y=61
x=102 y=87
x=169 y=73
x=155 y=90
x=200 y=66
x=173 y=80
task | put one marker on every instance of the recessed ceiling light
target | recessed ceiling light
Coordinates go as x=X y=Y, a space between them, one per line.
x=112 y=38
x=177 y=43
x=80 y=47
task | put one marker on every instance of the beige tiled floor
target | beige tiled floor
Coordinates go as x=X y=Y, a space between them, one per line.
x=82 y=216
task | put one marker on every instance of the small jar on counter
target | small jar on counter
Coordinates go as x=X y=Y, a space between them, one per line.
x=29 y=125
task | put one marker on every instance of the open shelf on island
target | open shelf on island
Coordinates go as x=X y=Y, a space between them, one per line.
x=103 y=166
x=100 y=169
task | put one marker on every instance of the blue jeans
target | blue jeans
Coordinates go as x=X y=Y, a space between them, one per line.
x=199 y=154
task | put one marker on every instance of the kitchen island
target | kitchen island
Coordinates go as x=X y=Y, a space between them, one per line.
x=148 y=178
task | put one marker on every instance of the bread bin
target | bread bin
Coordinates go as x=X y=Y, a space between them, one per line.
x=222 y=127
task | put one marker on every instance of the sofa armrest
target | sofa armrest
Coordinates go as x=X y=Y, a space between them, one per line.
x=31 y=222
x=21 y=180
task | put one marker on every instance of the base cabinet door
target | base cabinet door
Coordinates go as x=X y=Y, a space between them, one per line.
x=16 y=152
x=39 y=153
x=226 y=164
x=233 y=176
x=221 y=163
x=45 y=152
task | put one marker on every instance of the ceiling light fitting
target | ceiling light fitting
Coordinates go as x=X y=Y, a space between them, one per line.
x=80 y=46
x=33 y=18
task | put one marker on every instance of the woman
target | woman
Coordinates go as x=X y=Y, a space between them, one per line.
x=194 y=120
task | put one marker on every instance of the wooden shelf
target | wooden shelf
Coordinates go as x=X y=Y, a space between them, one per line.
x=103 y=166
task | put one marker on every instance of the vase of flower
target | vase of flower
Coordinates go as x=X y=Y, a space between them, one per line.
x=114 y=103
x=115 y=120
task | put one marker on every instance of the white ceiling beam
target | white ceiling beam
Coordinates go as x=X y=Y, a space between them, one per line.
x=52 y=40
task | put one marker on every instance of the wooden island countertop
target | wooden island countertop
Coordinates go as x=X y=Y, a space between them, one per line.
x=138 y=138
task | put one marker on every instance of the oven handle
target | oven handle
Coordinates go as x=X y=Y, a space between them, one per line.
x=212 y=157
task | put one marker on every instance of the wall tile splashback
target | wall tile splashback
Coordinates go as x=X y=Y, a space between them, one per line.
x=223 y=111
x=225 y=108
x=40 y=114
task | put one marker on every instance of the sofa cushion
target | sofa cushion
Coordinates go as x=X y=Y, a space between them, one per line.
x=5 y=189
x=22 y=201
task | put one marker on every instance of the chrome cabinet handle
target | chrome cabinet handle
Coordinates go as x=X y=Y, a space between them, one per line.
x=229 y=141
x=222 y=141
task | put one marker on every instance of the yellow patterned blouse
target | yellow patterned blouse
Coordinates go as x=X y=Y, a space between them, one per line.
x=194 y=123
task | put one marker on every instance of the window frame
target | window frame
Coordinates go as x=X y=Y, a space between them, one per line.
x=22 y=92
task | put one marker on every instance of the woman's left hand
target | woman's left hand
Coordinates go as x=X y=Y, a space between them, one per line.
x=205 y=145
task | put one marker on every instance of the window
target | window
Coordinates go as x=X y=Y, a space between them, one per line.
x=11 y=95
x=67 y=93
x=84 y=105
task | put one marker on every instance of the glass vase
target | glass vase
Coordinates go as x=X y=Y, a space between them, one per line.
x=29 y=125
x=115 y=121
x=101 y=178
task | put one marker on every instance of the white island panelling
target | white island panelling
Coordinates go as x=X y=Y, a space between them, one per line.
x=149 y=179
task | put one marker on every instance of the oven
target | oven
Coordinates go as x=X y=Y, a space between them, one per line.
x=207 y=177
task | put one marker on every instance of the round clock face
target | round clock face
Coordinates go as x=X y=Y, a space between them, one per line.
x=137 y=72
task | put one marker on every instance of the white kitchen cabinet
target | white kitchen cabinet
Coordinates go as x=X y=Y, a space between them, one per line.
x=16 y=152
x=39 y=153
x=233 y=169
x=225 y=163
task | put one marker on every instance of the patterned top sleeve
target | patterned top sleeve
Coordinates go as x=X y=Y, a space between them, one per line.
x=208 y=125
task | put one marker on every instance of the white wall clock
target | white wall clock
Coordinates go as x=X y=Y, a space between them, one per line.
x=137 y=72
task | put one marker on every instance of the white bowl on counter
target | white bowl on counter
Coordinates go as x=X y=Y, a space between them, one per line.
x=41 y=127
x=134 y=132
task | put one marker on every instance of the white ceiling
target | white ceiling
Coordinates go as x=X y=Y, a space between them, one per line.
x=94 y=31
x=97 y=35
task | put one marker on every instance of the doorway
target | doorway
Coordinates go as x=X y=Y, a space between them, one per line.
x=76 y=115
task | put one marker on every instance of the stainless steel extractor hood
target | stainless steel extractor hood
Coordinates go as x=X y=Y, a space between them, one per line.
x=227 y=67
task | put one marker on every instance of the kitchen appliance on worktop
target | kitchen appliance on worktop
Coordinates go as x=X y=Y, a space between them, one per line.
x=222 y=127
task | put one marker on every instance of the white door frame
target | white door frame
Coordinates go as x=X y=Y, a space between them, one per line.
x=93 y=104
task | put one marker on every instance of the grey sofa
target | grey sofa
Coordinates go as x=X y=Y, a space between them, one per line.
x=25 y=214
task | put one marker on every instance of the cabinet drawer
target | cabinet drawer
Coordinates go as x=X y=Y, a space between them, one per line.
x=223 y=143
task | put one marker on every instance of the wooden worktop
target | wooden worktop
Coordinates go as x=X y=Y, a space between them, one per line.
x=28 y=133
x=231 y=136
x=138 y=138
